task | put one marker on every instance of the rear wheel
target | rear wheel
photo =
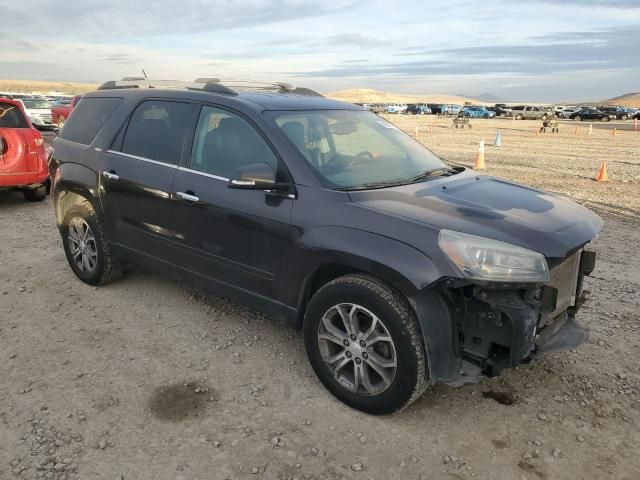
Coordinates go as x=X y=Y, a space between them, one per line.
x=88 y=253
x=364 y=343
x=37 y=194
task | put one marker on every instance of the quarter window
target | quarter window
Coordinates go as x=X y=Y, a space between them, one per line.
x=157 y=130
x=88 y=118
x=225 y=142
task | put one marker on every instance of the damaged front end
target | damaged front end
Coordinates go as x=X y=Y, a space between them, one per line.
x=498 y=325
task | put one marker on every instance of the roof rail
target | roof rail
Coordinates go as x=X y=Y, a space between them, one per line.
x=207 y=84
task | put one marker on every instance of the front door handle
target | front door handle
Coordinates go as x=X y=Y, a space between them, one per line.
x=188 y=196
x=111 y=175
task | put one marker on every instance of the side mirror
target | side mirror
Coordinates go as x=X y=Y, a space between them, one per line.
x=257 y=176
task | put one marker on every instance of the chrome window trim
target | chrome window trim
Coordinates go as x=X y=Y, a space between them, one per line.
x=135 y=157
x=204 y=174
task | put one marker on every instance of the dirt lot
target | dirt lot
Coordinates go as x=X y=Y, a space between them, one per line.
x=150 y=379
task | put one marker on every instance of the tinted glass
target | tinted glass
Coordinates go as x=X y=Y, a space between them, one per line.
x=11 y=117
x=157 y=130
x=88 y=118
x=355 y=149
x=224 y=142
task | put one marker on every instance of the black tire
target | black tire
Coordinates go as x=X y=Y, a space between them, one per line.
x=519 y=117
x=411 y=374
x=486 y=115
x=604 y=119
x=624 y=117
x=577 y=118
x=35 y=194
x=107 y=268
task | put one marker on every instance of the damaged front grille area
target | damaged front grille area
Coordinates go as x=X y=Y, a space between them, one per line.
x=498 y=326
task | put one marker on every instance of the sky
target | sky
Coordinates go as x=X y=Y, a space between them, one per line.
x=536 y=50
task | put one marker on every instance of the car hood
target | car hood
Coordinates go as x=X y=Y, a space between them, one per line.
x=489 y=207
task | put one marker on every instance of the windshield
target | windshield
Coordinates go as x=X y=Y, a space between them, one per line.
x=36 y=104
x=356 y=149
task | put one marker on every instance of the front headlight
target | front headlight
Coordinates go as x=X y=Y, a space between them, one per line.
x=480 y=258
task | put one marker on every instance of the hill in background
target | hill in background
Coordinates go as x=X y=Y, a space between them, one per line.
x=367 y=95
x=36 y=86
x=487 y=97
x=628 y=100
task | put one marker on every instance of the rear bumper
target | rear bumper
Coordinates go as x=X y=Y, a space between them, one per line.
x=23 y=179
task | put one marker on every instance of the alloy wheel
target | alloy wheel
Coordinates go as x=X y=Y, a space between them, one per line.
x=357 y=348
x=82 y=245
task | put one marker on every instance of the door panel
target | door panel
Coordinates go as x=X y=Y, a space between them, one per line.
x=136 y=177
x=138 y=201
x=231 y=236
x=239 y=237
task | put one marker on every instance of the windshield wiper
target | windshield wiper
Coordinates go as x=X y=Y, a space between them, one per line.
x=435 y=172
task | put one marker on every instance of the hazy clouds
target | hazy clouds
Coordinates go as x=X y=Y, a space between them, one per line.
x=516 y=49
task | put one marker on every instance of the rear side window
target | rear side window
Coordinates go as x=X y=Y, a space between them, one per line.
x=88 y=118
x=11 y=116
x=157 y=130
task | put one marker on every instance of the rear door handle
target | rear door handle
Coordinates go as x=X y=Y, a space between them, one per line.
x=110 y=175
x=188 y=196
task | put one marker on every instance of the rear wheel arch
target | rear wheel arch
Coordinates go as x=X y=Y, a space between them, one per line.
x=66 y=197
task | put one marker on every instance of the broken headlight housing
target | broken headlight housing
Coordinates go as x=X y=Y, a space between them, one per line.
x=480 y=258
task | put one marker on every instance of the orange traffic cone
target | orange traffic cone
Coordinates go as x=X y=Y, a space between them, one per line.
x=602 y=174
x=613 y=132
x=590 y=131
x=480 y=157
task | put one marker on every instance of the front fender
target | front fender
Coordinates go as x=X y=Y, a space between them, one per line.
x=401 y=265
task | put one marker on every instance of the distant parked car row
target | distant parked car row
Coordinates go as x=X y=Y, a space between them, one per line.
x=44 y=112
x=518 y=112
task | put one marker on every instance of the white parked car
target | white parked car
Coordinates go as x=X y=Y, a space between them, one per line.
x=39 y=111
x=396 y=108
x=568 y=111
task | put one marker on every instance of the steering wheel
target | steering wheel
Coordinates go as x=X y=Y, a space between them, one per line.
x=337 y=161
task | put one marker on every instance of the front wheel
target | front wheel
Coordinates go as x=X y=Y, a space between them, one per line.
x=88 y=253
x=364 y=343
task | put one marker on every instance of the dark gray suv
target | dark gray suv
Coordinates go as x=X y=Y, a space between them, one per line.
x=401 y=270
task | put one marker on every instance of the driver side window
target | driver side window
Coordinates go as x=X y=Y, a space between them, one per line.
x=225 y=142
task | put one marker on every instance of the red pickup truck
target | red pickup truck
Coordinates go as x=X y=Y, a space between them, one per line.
x=60 y=112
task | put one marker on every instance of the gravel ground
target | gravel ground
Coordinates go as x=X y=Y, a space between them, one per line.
x=150 y=379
